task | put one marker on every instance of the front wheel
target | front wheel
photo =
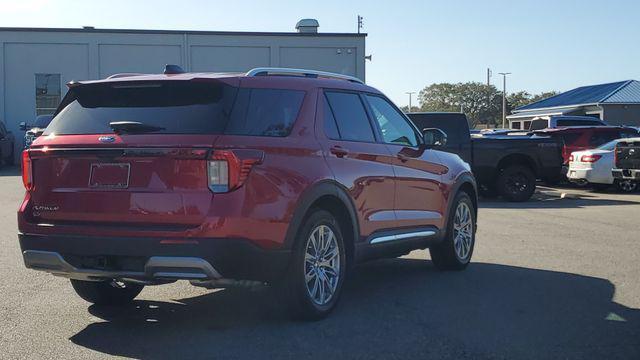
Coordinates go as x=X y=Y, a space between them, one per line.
x=110 y=292
x=517 y=183
x=317 y=269
x=454 y=252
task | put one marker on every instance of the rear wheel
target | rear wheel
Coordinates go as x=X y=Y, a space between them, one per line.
x=517 y=183
x=454 y=252
x=317 y=270
x=627 y=186
x=109 y=292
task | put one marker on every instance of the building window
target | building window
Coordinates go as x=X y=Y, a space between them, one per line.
x=47 y=93
x=515 y=125
x=527 y=125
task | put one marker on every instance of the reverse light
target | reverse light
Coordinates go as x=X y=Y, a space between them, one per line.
x=228 y=169
x=27 y=170
x=590 y=158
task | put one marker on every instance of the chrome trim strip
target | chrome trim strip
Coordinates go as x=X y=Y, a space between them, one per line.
x=286 y=71
x=388 y=238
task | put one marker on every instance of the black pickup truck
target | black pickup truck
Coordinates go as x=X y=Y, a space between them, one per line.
x=508 y=165
x=627 y=160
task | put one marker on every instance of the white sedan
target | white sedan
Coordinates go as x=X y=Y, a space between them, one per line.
x=594 y=167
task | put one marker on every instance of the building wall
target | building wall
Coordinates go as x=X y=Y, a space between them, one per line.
x=92 y=54
x=622 y=114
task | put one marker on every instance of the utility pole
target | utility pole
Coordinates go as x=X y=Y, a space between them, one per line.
x=410 y=93
x=504 y=98
x=360 y=23
x=488 y=77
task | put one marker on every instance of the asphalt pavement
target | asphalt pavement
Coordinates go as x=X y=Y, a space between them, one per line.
x=553 y=278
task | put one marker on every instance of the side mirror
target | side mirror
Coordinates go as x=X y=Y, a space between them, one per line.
x=23 y=126
x=434 y=137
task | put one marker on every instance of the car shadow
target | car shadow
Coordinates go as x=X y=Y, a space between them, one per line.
x=396 y=308
x=568 y=201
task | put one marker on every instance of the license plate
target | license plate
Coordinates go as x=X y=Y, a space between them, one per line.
x=110 y=175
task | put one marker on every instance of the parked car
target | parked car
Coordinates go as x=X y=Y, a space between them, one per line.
x=505 y=164
x=559 y=121
x=35 y=129
x=7 y=141
x=594 y=167
x=627 y=160
x=585 y=138
x=282 y=176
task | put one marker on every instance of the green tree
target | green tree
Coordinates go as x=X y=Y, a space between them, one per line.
x=481 y=103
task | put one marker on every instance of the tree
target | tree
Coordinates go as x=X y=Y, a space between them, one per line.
x=522 y=98
x=481 y=103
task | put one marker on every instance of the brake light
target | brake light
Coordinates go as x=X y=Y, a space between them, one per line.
x=571 y=157
x=228 y=169
x=590 y=158
x=27 y=170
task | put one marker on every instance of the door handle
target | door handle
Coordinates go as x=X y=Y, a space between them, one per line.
x=339 y=151
x=403 y=157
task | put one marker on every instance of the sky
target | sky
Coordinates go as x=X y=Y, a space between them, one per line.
x=546 y=45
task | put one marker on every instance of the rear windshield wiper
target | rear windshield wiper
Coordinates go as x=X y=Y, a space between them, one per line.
x=132 y=127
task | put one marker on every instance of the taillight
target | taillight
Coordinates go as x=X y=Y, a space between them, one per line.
x=228 y=169
x=590 y=158
x=27 y=170
x=571 y=157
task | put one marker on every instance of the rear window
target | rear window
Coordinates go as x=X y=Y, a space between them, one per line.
x=539 y=124
x=564 y=123
x=178 y=107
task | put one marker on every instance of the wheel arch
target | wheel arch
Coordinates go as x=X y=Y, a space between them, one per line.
x=467 y=183
x=332 y=197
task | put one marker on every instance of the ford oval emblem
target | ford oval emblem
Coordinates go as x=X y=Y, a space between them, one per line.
x=107 y=139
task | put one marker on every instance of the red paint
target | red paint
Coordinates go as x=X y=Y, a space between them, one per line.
x=167 y=195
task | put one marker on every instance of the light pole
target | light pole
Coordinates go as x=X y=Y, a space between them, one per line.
x=410 y=93
x=504 y=98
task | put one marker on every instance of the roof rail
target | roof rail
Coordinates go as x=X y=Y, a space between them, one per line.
x=266 y=71
x=114 y=76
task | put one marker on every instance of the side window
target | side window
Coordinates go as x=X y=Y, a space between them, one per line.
x=351 y=118
x=329 y=121
x=394 y=127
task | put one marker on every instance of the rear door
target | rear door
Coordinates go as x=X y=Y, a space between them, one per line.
x=153 y=174
x=418 y=171
x=357 y=159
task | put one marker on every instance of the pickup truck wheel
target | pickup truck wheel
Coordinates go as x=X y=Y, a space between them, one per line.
x=517 y=183
x=627 y=186
x=109 y=292
x=317 y=269
x=454 y=252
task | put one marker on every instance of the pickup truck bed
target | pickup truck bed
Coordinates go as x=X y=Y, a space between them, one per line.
x=504 y=164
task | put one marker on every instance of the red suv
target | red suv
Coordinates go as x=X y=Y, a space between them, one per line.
x=276 y=176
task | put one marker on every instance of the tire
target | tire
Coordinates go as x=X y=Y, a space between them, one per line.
x=106 y=292
x=516 y=183
x=299 y=290
x=626 y=186
x=455 y=251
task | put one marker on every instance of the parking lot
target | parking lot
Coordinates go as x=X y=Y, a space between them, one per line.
x=555 y=277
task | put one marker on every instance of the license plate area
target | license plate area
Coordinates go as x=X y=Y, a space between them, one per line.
x=109 y=175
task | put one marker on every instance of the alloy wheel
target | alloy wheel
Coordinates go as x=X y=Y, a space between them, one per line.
x=463 y=231
x=322 y=264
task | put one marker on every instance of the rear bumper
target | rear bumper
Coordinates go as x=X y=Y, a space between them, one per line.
x=149 y=260
x=626 y=174
x=589 y=175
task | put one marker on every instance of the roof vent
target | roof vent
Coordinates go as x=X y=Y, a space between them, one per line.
x=308 y=26
x=172 y=69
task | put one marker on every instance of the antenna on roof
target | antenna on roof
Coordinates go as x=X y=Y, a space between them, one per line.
x=173 y=69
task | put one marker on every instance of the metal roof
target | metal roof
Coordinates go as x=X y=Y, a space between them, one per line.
x=616 y=92
x=178 y=32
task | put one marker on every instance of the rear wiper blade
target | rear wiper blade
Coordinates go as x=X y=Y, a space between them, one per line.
x=132 y=127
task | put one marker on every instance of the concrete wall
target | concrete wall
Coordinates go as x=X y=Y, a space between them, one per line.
x=92 y=54
x=622 y=114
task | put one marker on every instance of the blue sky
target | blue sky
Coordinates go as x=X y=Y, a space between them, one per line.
x=547 y=45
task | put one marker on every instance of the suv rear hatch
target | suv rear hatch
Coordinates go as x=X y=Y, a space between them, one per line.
x=130 y=154
x=627 y=154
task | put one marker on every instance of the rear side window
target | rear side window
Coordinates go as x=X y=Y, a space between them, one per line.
x=329 y=121
x=178 y=107
x=264 y=112
x=351 y=117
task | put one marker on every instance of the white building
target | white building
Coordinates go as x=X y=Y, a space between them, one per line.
x=36 y=63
